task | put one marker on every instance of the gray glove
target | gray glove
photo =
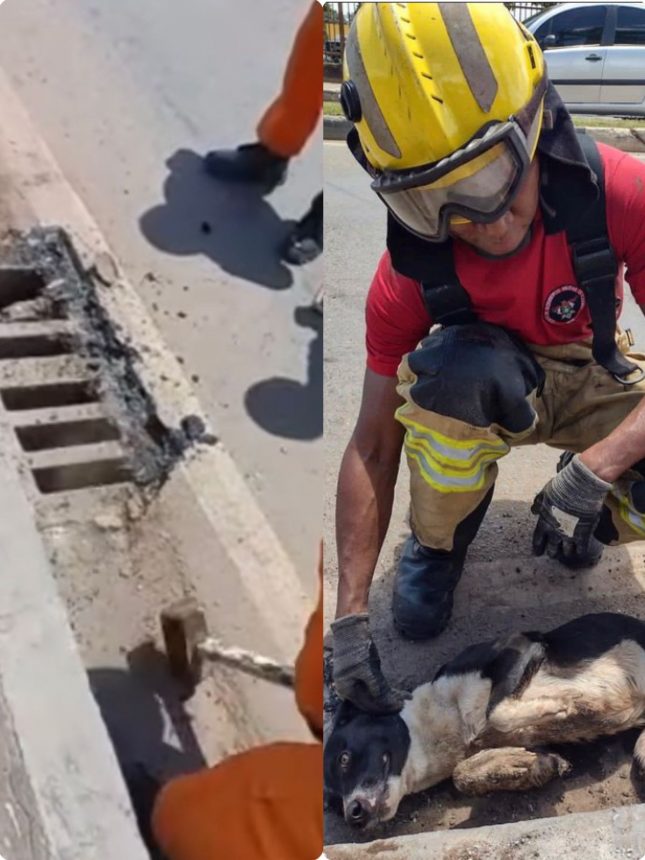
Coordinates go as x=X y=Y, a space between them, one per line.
x=358 y=676
x=568 y=510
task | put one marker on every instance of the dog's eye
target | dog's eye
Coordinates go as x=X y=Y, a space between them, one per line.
x=386 y=759
x=344 y=759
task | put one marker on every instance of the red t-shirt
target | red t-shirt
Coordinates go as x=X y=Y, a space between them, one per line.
x=533 y=293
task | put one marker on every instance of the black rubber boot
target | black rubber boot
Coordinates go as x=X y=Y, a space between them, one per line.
x=423 y=590
x=251 y=162
x=426 y=579
x=305 y=243
x=595 y=548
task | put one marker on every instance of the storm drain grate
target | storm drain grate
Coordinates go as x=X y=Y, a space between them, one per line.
x=70 y=390
x=60 y=424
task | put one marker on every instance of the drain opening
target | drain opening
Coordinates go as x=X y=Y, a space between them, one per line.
x=19 y=285
x=35 y=346
x=44 y=279
x=40 y=437
x=79 y=476
x=48 y=395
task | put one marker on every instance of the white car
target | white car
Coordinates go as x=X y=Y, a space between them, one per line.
x=595 y=55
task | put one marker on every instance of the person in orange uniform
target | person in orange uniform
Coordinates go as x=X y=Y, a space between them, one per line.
x=282 y=134
x=263 y=804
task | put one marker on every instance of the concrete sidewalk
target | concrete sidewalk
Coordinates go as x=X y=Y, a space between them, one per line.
x=615 y=834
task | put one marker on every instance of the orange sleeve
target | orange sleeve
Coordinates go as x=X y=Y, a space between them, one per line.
x=292 y=118
x=309 y=667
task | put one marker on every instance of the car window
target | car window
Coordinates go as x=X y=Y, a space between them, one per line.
x=579 y=26
x=542 y=31
x=630 y=26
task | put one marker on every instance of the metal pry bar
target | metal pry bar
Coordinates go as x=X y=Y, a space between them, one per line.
x=188 y=648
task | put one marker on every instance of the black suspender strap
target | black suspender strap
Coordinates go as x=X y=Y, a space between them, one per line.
x=447 y=301
x=595 y=266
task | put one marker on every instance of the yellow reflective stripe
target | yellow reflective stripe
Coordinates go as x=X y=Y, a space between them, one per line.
x=461 y=455
x=634 y=519
x=454 y=444
x=467 y=462
x=450 y=465
x=448 y=483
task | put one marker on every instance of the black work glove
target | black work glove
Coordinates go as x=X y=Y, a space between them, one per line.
x=568 y=510
x=358 y=676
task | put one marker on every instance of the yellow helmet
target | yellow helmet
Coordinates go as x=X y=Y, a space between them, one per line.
x=438 y=93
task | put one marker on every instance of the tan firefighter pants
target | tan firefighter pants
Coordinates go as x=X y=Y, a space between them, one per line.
x=472 y=392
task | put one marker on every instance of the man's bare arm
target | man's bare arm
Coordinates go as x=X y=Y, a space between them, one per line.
x=366 y=485
x=618 y=452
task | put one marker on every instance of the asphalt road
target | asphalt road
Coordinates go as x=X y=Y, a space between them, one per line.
x=128 y=96
x=503 y=587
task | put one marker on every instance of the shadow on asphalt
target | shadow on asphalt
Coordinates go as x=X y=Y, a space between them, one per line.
x=286 y=407
x=233 y=225
x=131 y=704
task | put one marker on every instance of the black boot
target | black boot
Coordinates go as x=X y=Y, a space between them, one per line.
x=251 y=162
x=305 y=243
x=423 y=590
x=426 y=579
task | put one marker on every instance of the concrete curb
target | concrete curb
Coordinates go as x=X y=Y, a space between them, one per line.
x=613 y=834
x=336 y=127
x=78 y=806
x=625 y=139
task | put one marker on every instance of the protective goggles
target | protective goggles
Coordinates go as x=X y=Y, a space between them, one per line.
x=476 y=183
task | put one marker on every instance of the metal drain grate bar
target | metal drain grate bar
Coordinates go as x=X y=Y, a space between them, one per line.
x=57 y=414
x=37 y=328
x=47 y=370
x=75 y=455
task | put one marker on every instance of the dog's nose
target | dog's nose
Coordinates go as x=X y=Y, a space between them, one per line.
x=357 y=813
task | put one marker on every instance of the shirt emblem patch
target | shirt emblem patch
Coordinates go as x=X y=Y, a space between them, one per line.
x=564 y=304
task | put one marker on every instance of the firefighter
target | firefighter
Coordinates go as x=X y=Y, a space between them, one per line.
x=507 y=235
x=282 y=134
x=261 y=804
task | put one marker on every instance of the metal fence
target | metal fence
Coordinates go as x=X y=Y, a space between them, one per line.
x=522 y=11
x=339 y=16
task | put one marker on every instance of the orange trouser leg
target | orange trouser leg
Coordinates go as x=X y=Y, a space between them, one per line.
x=264 y=804
x=293 y=116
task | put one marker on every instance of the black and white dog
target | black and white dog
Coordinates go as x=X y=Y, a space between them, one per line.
x=487 y=715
